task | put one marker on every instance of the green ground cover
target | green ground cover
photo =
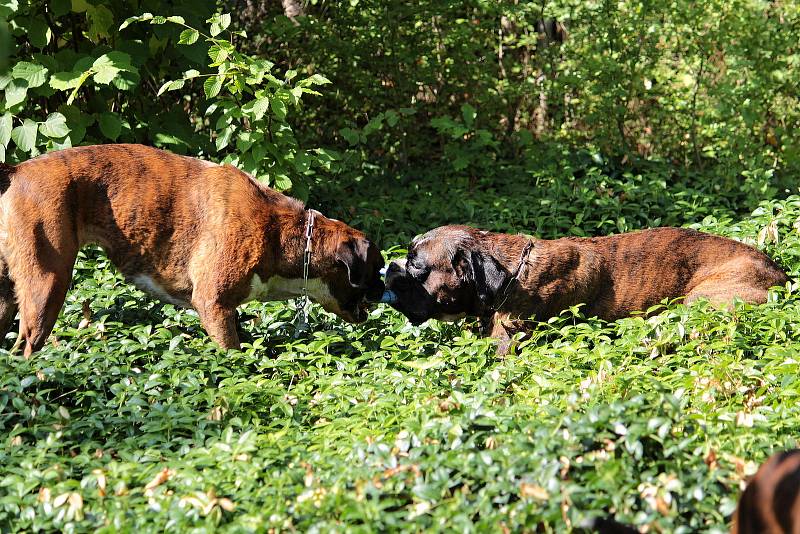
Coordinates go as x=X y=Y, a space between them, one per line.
x=131 y=419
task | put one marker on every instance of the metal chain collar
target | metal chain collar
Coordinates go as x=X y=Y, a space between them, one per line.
x=301 y=320
x=504 y=292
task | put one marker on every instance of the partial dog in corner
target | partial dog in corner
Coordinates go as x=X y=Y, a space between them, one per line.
x=770 y=504
x=187 y=231
x=457 y=271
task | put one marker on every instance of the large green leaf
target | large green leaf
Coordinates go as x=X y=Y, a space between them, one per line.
x=257 y=107
x=16 y=92
x=219 y=22
x=25 y=136
x=110 y=125
x=54 y=126
x=278 y=108
x=100 y=21
x=189 y=36
x=32 y=73
x=65 y=80
x=107 y=66
x=38 y=32
x=212 y=86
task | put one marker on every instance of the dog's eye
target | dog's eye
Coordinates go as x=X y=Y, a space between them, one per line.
x=417 y=270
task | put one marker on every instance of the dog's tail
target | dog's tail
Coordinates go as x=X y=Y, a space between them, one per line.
x=6 y=171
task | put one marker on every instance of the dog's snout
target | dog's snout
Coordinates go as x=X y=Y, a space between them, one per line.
x=395 y=271
x=397 y=266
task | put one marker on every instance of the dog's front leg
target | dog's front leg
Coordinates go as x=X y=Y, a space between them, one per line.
x=219 y=321
x=495 y=327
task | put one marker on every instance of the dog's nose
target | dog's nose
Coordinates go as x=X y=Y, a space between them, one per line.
x=395 y=271
x=396 y=267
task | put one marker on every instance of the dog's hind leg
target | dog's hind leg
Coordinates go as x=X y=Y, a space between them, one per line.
x=722 y=294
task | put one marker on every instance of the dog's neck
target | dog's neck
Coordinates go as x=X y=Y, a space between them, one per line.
x=293 y=243
x=507 y=249
x=513 y=253
x=558 y=274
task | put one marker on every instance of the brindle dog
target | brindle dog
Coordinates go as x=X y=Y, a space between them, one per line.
x=188 y=231
x=456 y=271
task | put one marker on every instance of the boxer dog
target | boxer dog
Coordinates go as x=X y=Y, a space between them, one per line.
x=190 y=232
x=457 y=271
x=769 y=503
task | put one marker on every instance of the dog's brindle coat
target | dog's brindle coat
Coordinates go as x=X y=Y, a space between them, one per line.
x=193 y=233
x=456 y=271
x=771 y=501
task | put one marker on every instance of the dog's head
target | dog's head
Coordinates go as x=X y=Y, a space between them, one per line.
x=350 y=272
x=448 y=274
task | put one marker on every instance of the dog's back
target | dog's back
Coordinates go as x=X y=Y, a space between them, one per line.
x=645 y=267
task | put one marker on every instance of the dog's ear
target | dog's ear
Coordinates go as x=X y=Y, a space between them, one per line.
x=353 y=255
x=363 y=262
x=489 y=276
x=462 y=264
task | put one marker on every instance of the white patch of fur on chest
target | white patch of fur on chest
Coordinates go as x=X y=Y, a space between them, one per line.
x=148 y=285
x=280 y=288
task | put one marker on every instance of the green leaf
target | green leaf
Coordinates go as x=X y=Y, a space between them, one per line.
x=177 y=19
x=32 y=73
x=282 y=182
x=138 y=18
x=62 y=81
x=16 y=91
x=77 y=121
x=107 y=66
x=126 y=80
x=100 y=20
x=8 y=7
x=224 y=138
x=6 y=124
x=218 y=53
x=468 y=113
x=189 y=36
x=212 y=86
x=171 y=85
x=39 y=33
x=350 y=135
x=278 y=108
x=110 y=125
x=80 y=6
x=25 y=136
x=60 y=7
x=54 y=126
x=219 y=22
x=61 y=144
x=257 y=108
x=315 y=79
